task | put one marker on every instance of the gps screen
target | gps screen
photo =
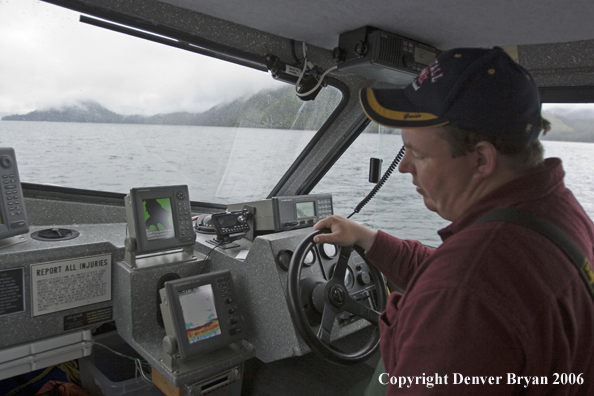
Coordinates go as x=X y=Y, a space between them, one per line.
x=158 y=219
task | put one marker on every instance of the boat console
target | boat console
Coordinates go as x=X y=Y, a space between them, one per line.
x=194 y=306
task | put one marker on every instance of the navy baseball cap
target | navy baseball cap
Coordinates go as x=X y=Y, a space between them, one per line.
x=478 y=89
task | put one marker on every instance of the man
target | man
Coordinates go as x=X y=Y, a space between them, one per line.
x=498 y=308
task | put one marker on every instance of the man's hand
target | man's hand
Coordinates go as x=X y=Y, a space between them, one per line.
x=345 y=232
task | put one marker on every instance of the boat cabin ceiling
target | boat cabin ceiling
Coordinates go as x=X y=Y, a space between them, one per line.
x=551 y=39
x=443 y=25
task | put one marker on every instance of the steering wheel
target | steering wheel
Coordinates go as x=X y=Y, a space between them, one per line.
x=330 y=298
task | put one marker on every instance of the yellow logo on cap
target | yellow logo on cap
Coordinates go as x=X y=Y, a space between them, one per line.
x=393 y=114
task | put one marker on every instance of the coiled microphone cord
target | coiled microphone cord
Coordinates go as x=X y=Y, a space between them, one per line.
x=380 y=183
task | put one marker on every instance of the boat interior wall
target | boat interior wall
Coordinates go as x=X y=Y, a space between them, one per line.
x=560 y=65
x=101 y=230
x=45 y=212
x=309 y=167
x=545 y=44
x=264 y=283
x=525 y=22
x=132 y=296
x=136 y=306
x=205 y=27
x=25 y=326
x=557 y=54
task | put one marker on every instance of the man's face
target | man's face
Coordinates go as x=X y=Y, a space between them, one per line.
x=444 y=182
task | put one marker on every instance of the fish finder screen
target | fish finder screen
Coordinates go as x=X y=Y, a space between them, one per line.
x=158 y=219
x=200 y=314
x=305 y=209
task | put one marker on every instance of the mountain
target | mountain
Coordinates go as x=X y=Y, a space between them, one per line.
x=278 y=109
x=85 y=111
x=266 y=109
x=569 y=127
x=573 y=112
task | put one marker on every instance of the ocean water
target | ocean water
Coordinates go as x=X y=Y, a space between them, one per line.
x=226 y=165
x=219 y=165
x=399 y=209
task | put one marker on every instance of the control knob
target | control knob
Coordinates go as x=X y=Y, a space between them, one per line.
x=364 y=278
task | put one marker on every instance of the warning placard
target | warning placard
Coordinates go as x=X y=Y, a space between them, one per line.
x=67 y=284
x=12 y=291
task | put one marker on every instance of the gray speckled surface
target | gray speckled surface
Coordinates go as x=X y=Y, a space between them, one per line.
x=210 y=28
x=564 y=64
x=256 y=279
x=263 y=285
x=134 y=294
x=45 y=212
x=93 y=240
x=135 y=311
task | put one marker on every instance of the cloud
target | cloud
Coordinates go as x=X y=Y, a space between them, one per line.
x=50 y=58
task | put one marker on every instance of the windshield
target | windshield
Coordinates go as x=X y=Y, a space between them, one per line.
x=399 y=210
x=89 y=108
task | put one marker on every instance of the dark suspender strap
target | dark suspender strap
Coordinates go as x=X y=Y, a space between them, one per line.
x=549 y=230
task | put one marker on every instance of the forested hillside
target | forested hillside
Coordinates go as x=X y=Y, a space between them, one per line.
x=279 y=109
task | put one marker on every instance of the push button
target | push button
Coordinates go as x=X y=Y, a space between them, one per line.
x=17 y=224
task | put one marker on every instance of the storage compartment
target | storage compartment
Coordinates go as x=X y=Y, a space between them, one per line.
x=105 y=373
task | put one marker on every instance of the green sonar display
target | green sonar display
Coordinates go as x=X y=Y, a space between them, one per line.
x=158 y=219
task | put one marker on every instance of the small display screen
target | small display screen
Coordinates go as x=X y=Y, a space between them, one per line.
x=200 y=314
x=305 y=209
x=158 y=219
x=229 y=220
x=423 y=56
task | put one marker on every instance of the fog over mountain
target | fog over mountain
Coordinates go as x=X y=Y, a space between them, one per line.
x=571 y=112
x=276 y=109
x=570 y=123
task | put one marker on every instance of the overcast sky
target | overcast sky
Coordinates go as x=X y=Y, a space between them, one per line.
x=49 y=58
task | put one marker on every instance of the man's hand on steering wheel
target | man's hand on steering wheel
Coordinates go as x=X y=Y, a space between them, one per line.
x=330 y=298
x=344 y=232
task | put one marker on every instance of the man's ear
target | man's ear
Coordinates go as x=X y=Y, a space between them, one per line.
x=486 y=158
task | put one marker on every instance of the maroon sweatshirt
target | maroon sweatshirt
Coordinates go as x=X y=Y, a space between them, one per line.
x=497 y=309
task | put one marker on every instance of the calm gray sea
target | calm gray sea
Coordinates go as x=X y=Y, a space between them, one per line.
x=225 y=165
